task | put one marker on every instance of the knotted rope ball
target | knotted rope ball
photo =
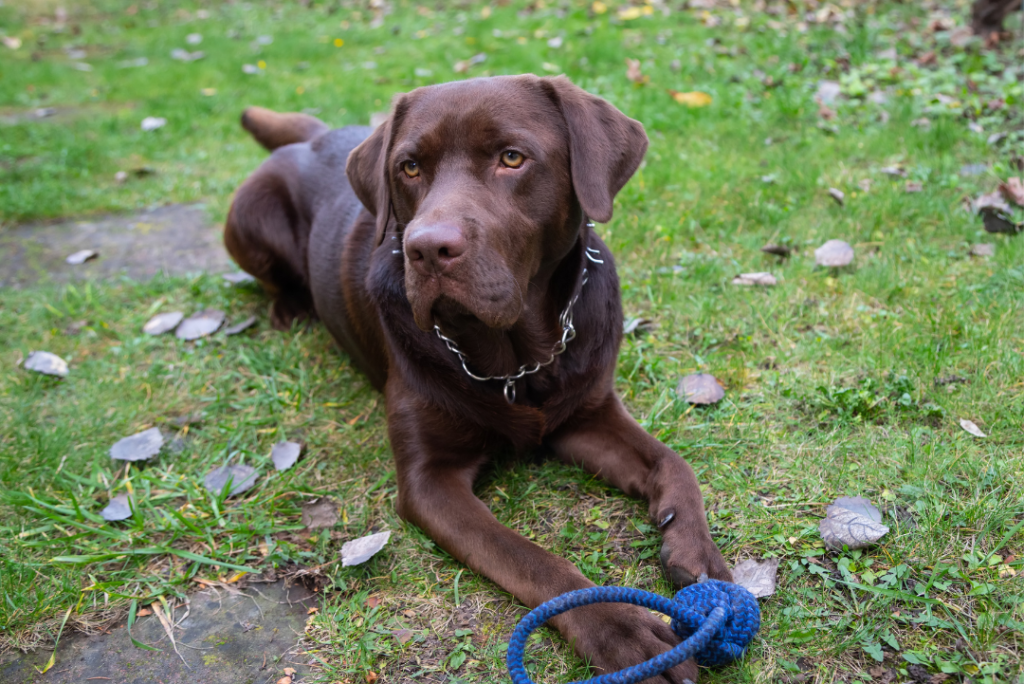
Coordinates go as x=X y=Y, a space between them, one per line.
x=716 y=621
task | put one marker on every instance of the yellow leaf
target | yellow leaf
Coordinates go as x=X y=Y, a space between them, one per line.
x=691 y=99
x=628 y=13
x=599 y=7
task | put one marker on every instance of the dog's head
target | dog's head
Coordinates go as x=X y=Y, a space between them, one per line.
x=489 y=180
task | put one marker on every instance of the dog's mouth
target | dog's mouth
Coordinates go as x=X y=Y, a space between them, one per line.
x=452 y=305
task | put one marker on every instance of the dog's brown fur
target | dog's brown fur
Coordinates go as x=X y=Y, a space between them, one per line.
x=492 y=254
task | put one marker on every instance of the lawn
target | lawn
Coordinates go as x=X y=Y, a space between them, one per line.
x=838 y=382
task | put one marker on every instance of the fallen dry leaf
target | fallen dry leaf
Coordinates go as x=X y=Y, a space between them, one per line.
x=119 y=508
x=1012 y=189
x=138 y=447
x=637 y=326
x=838 y=195
x=852 y=522
x=834 y=254
x=757 y=578
x=200 y=325
x=285 y=454
x=363 y=549
x=371 y=677
x=777 y=250
x=240 y=327
x=700 y=388
x=691 y=99
x=161 y=323
x=633 y=72
x=151 y=123
x=373 y=601
x=894 y=171
x=983 y=250
x=242 y=478
x=46 y=363
x=913 y=186
x=971 y=428
x=320 y=512
x=238 y=278
x=403 y=635
x=762 y=279
x=81 y=256
x=827 y=92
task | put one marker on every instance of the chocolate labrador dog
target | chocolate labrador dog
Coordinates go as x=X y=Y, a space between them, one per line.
x=451 y=254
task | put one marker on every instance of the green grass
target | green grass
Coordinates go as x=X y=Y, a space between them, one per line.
x=831 y=376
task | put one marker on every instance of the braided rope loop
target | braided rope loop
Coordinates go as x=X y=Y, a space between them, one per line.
x=716 y=621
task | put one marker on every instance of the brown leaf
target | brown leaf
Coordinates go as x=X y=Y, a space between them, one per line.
x=320 y=512
x=834 y=254
x=143 y=612
x=1013 y=190
x=373 y=601
x=757 y=578
x=825 y=113
x=971 y=428
x=403 y=635
x=838 y=195
x=290 y=671
x=700 y=388
x=633 y=72
x=913 y=186
x=371 y=677
x=762 y=279
x=852 y=522
x=926 y=59
x=200 y=324
x=777 y=250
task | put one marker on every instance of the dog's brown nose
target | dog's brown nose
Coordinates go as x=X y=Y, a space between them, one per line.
x=433 y=249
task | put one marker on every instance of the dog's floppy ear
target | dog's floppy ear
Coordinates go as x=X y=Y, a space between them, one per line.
x=368 y=174
x=605 y=146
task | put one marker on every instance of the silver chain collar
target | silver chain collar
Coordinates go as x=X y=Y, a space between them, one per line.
x=568 y=335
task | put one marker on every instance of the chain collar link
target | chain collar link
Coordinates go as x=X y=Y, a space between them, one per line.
x=568 y=335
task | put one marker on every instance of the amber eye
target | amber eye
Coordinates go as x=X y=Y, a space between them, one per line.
x=512 y=159
x=411 y=168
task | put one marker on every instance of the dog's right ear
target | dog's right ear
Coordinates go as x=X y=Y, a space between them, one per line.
x=367 y=173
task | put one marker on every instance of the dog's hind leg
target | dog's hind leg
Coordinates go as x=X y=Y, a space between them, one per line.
x=267 y=234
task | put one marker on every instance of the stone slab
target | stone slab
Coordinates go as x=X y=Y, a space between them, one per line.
x=177 y=239
x=241 y=644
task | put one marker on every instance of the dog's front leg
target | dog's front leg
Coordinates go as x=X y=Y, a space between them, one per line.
x=608 y=442
x=436 y=466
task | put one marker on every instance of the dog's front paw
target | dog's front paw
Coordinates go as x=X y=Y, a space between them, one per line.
x=687 y=558
x=614 y=636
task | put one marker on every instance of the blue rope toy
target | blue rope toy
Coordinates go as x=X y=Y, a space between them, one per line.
x=716 y=621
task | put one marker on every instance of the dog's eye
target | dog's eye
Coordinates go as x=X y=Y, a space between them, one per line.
x=512 y=159
x=411 y=168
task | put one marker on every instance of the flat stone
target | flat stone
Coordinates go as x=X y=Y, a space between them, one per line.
x=239 y=644
x=177 y=239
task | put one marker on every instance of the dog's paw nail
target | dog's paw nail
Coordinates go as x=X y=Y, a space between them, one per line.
x=688 y=681
x=666 y=517
x=703 y=578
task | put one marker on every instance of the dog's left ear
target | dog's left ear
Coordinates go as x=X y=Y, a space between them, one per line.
x=368 y=174
x=605 y=146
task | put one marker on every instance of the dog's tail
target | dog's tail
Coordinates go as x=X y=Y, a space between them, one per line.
x=272 y=129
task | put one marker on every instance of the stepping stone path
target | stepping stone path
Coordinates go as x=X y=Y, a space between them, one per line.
x=239 y=644
x=175 y=239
